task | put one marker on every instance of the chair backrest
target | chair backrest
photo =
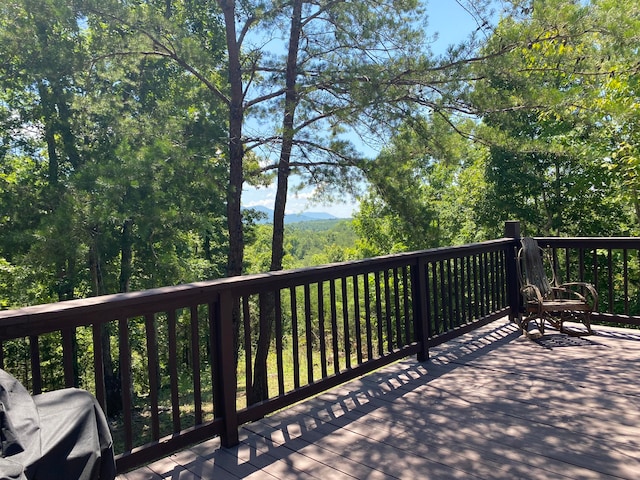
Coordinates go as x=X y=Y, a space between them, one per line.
x=531 y=262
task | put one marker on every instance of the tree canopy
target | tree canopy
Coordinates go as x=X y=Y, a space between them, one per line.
x=553 y=104
x=128 y=129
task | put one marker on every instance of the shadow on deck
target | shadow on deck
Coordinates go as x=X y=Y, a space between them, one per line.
x=489 y=404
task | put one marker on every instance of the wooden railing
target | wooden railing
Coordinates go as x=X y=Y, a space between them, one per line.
x=612 y=265
x=177 y=365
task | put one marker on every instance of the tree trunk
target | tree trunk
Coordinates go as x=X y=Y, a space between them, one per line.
x=113 y=390
x=236 y=149
x=636 y=204
x=112 y=379
x=95 y=263
x=235 y=257
x=112 y=382
x=267 y=302
x=260 y=388
x=288 y=133
x=126 y=255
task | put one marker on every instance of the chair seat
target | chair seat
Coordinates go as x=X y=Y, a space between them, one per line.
x=559 y=305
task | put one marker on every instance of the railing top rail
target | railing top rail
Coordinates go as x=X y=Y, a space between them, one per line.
x=591 y=242
x=109 y=307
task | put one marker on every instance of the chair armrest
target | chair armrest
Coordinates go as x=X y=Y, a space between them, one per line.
x=586 y=290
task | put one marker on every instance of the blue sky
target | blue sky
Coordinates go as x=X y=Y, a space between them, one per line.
x=453 y=24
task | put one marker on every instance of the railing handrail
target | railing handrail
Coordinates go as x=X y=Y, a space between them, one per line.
x=90 y=310
x=593 y=242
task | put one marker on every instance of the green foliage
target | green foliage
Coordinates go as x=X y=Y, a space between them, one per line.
x=424 y=190
x=555 y=88
x=306 y=244
x=119 y=152
x=545 y=118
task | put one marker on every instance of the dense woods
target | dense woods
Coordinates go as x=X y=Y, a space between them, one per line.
x=128 y=129
x=127 y=133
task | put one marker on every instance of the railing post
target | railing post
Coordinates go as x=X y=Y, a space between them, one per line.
x=512 y=230
x=420 y=312
x=225 y=382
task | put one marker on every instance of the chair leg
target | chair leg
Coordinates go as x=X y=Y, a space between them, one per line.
x=540 y=323
x=582 y=317
x=522 y=322
x=586 y=321
x=537 y=320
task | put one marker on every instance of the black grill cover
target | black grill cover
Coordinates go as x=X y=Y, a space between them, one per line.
x=60 y=435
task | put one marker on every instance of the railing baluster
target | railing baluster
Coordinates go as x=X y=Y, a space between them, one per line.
x=444 y=298
x=356 y=318
x=484 y=284
x=469 y=288
x=98 y=330
x=494 y=281
x=610 y=278
x=214 y=360
x=407 y=307
x=388 y=315
x=476 y=288
x=433 y=297
x=36 y=372
x=487 y=284
x=125 y=374
x=496 y=278
x=456 y=291
x=173 y=370
x=367 y=317
x=68 y=357
x=154 y=373
x=322 y=330
x=308 y=332
x=503 y=279
x=345 y=321
x=379 y=319
x=421 y=314
x=195 y=365
x=595 y=267
x=450 y=298
x=294 y=337
x=625 y=274
x=248 y=345
x=396 y=306
x=462 y=291
x=278 y=332
x=334 y=326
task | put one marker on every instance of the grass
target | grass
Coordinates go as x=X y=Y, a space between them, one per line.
x=141 y=414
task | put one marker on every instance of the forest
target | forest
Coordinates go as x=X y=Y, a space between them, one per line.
x=128 y=129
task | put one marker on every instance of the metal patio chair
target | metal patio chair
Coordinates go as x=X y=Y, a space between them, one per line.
x=546 y=300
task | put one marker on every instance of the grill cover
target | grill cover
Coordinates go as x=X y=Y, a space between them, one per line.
x=59 y=435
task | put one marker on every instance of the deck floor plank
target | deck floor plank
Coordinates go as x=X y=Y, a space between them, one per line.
x=488 y=405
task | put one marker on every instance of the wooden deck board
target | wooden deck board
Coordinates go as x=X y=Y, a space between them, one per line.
x=489 y=405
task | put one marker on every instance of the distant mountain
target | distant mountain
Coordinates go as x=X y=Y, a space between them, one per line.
x=293 y=217
x=308 y=217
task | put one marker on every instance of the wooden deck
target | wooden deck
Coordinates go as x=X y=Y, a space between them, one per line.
x=490 y=404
